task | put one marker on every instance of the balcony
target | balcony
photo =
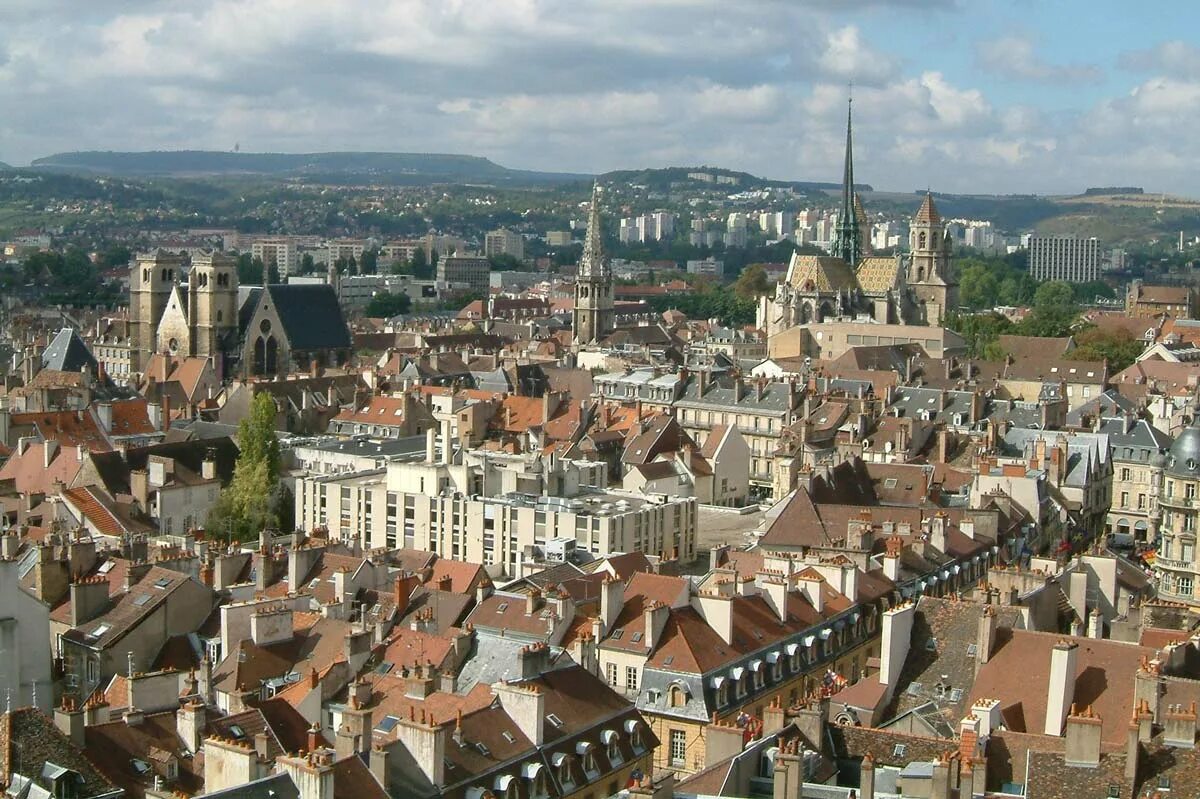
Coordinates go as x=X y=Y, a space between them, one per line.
x=1178 y=502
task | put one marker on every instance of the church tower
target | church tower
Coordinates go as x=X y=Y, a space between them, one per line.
x=213 y=290
x=848 y=236
x=930 y=274
x=151 y=280
x=593 y=317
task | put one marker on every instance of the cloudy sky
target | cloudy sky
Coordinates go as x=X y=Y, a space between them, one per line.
x=958 y=95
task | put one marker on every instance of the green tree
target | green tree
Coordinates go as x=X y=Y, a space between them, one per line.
x=307 y=264
x=505 y=263
x=978 y=287
x=114 y=255
x=369 y=263
x=1118 y=347
x=385 y=305
x=752 y=282
x=255 y=499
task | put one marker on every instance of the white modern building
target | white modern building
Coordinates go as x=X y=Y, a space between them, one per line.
x=1067 y=258
x=493 y=508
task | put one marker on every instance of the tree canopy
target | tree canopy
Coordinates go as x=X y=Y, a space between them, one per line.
x=387 y=305
x=255 y=498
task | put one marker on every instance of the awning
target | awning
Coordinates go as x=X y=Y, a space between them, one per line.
x=792 y=648
x=631 y=725
x=945 y=574
x=501 y=783
x=931 y=579
x=582 y=747
x=995 y=550
x=825 y=634
x=608 y=737
x=809 y=640
x=736 y=673
x=855 y=616
x=717 y=682
x=557 y=759
x=755 y=665
x=773 y=657
x=957 y=569
x=530 y=770
x=840 y=624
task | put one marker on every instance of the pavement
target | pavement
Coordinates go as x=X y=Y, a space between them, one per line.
x=715 y=527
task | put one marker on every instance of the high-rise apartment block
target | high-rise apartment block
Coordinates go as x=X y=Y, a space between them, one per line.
x=504 y=242
x=1068 y=258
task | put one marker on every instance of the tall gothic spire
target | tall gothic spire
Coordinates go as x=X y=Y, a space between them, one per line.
x=593 y=262
x=847 y=238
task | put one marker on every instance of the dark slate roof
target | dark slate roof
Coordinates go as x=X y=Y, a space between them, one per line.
x=67 y=353
x=276 y=786
x=1184 y=458
x=311 y=316
x=114 y=467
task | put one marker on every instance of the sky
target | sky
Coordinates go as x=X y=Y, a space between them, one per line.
x=979 y=96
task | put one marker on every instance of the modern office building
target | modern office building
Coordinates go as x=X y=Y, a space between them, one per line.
x=504 y=242
x=1068 y=258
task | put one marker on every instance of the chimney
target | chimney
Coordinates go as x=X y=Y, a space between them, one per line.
x=866 y=777
x=70 y=719
x=985 y=637
x=1095 y=624
x=724 y=740
x=1062 y=685
x=1179 y=726
x=988 y=713
x=891 y=558
x=939 y=787
x=717 y=612
x=1133 y=751
x=49 y=450
x=775 y=592
x=1083 y=738
x=104 y=416
x=447 y=447
x=897 y=631
x=139 y=486
x=190 y=721
x=655 y=619
x=1147 y=688
x=612 y=599
x=431 y=445
x=89 y=597
x=526 y=706
x=533 y=601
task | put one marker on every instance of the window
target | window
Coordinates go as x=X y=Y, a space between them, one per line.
x=678 y=748
x=1124 y=499
x=1183 y=586
x=631 y=678
x=678 y=697
x=899 y=750
x=1125 y=474
x=611 y=671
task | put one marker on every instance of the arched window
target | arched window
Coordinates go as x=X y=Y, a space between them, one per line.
x=220 y=315
x=678 y=697
x=920 y=274
x=272 y=355
x=260 y=356
x=146 y=275
x=921 y=241
x=164 y=275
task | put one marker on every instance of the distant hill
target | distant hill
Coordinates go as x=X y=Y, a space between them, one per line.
x=345 y=167
x=727 y=179
x=4 y=165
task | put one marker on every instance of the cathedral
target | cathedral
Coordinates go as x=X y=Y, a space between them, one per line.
x=852 y=284
x=246 y=330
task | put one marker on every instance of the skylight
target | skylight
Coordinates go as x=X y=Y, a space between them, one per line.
x=388 y=724
x=142 y=600
x=483 y=750
x=503 y=606
x=236 y=731
x=99 y=631
x=553 y=719
x=162 y=582
x=636 y=637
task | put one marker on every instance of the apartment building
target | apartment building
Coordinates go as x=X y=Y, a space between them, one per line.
x=504 y=242
x=1067 y=258
x=282 y=253
x=493 y=508
x=1176 y=566
x=759 y=409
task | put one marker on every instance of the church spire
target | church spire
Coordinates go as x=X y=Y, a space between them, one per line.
x=592 y=263
x=847 y=238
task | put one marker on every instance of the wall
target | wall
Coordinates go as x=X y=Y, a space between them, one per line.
x=24 y=642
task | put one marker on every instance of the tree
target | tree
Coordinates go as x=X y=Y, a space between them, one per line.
x=503 y=262
x=370 y=260
x=255 y=498
x=307 y=264
x=114 y=255
x=385 y=305
x=752 y=282
x=1118 y=347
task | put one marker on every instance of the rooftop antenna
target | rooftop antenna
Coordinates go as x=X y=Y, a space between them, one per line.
x=35 y=704
x=8 y=701
x=129 y=660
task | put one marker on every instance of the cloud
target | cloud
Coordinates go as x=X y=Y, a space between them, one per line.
x=847 y=56
x=1175 y=58
x=1014 y=57
x=588 y=85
